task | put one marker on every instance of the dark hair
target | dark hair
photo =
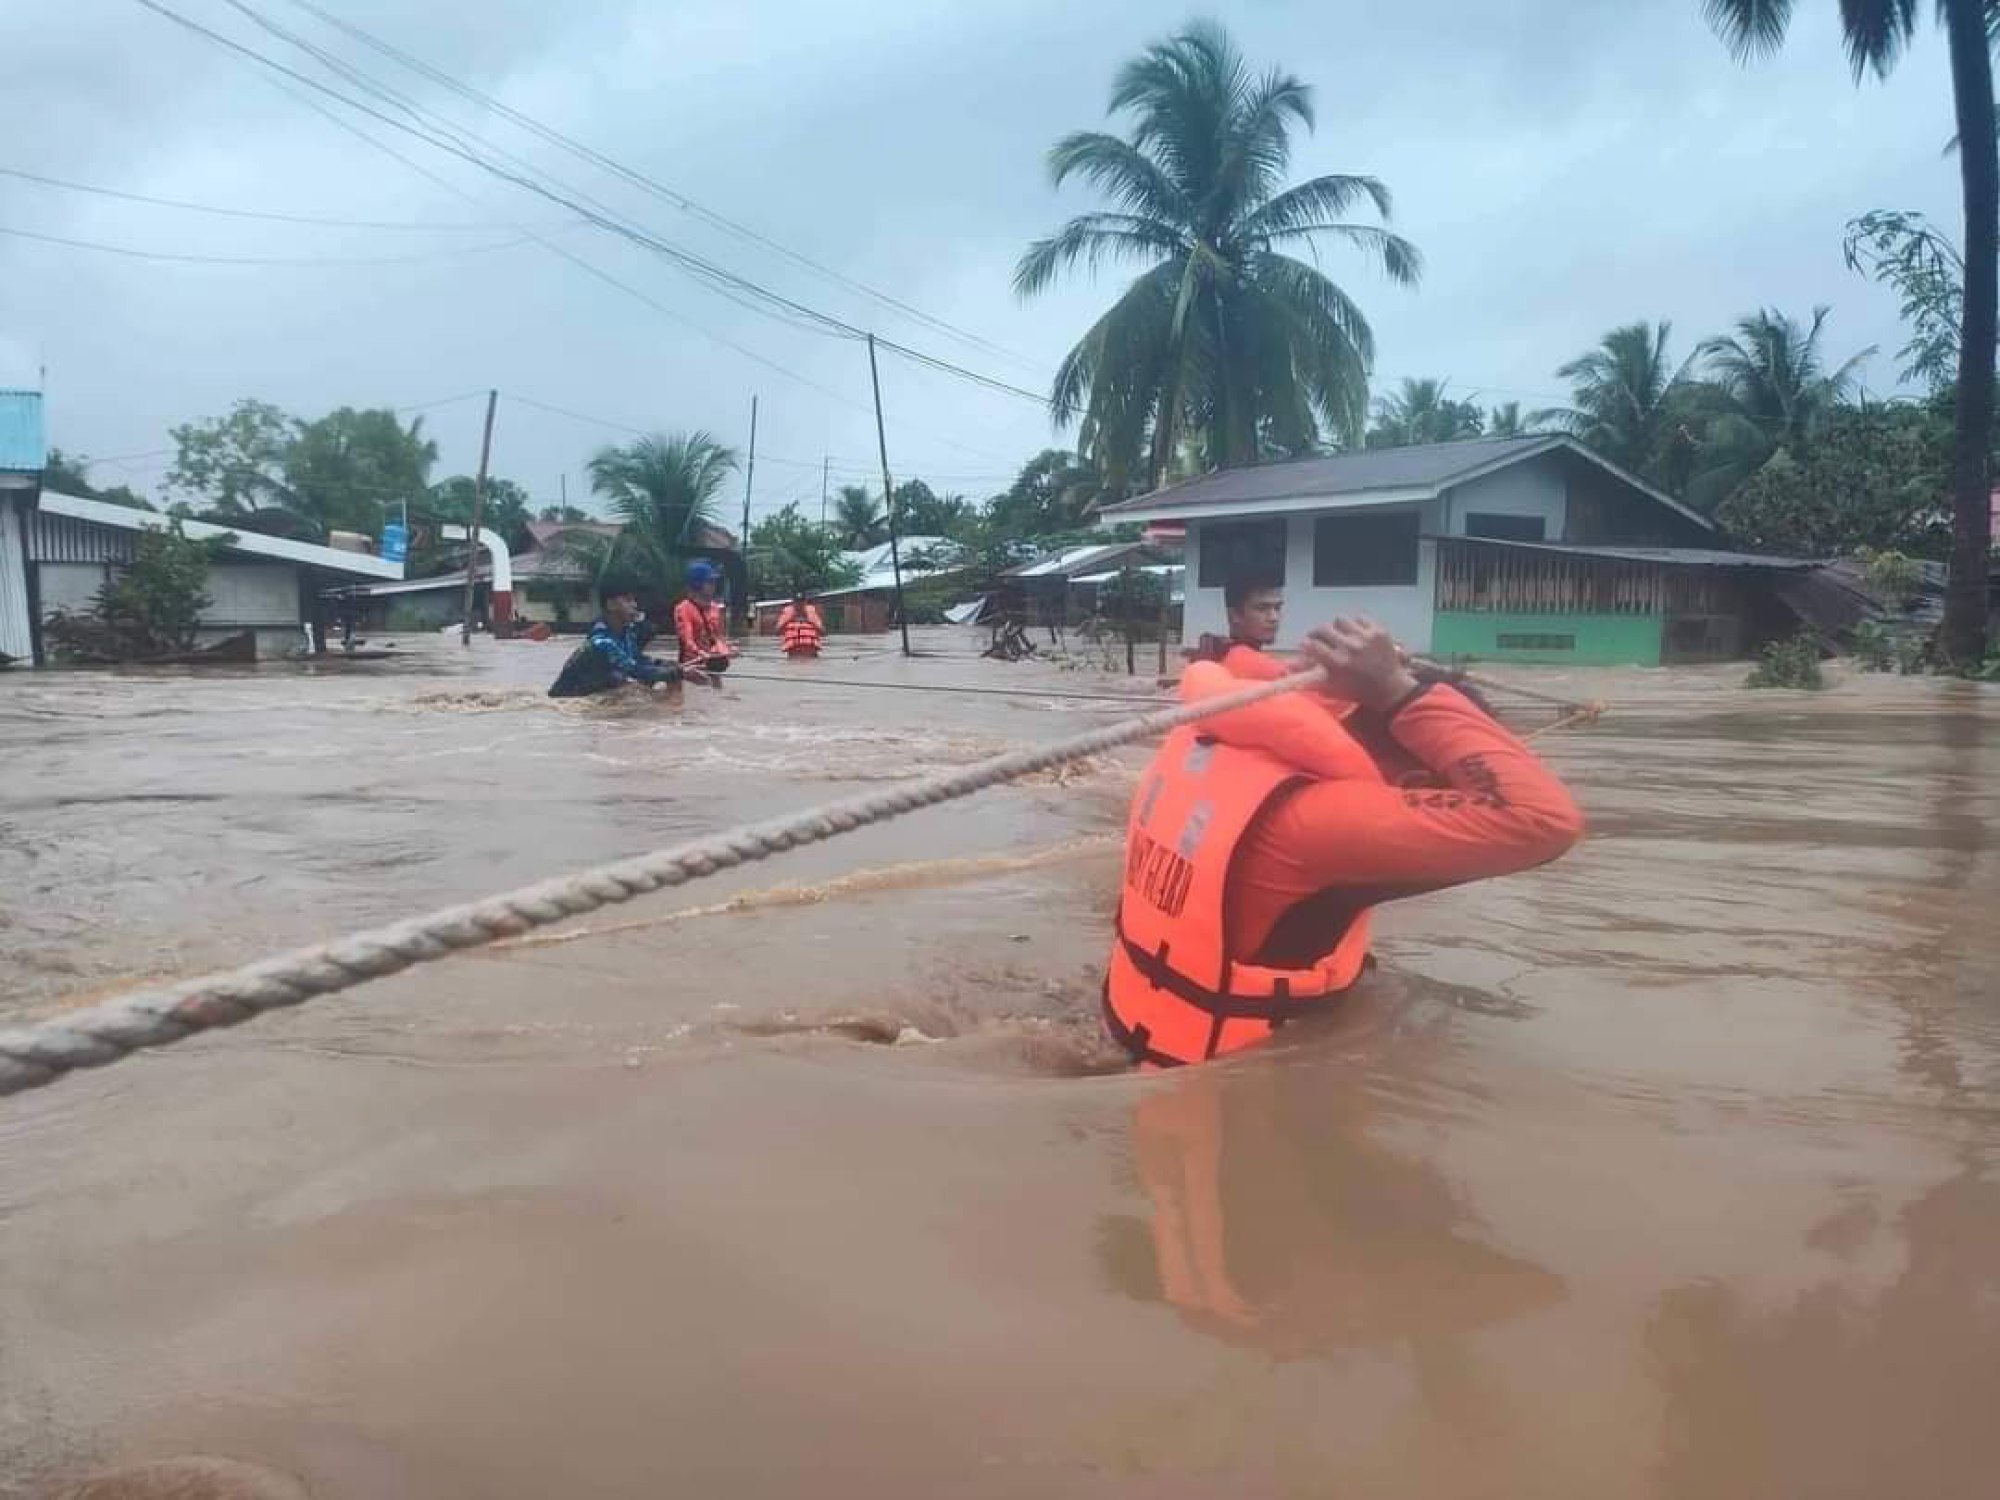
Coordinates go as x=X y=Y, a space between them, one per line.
x=1238 y=587
x=611 y=585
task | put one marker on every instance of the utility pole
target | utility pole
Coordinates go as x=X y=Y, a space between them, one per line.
x=888 y=497
x=562 y=483
x=749 y=477
x=825 y=462
x=478 y=516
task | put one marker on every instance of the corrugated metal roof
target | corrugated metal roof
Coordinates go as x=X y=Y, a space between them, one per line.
x=1686 y=557
x=119 y=518
x=23 y=448
x=1369 y=476
x=1072 y=560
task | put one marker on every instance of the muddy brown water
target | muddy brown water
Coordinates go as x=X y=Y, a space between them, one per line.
x=1667 y=1171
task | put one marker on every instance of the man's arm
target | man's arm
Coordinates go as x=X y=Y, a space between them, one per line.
x=625 y=664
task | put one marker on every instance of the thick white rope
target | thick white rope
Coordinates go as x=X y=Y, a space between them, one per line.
x=94 y=1036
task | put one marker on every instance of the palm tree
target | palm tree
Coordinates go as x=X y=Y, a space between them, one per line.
x=1223 y=333
x=663 y=488
x=1419 y=411
x=1506 y=421
x=858 y=518
x=1623 y=397
x=1773 y=392
x=1876 y=32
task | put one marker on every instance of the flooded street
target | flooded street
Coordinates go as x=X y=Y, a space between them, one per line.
x=1671 y=1170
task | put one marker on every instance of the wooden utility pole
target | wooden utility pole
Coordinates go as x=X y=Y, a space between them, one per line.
x=825 y=463
x=743 y=542
x=888 y=497
x=478 y=517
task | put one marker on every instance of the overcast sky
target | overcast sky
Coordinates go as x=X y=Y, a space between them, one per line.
x=1564 y=167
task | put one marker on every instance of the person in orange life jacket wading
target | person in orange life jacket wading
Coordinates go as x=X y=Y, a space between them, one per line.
x=800 y=628
x=1255 y=607
x=1259 y=840
x=698 y=620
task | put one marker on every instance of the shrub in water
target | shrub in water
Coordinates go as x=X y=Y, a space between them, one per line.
x=1790 y=663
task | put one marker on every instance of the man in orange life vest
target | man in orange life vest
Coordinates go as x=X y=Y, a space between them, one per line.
x=1259 y=840
x=800 y=628
x=698 y=621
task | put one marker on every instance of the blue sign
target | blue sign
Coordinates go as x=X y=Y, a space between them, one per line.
x=395 y=543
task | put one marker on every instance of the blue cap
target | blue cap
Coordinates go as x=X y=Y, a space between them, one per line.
x=700 y=571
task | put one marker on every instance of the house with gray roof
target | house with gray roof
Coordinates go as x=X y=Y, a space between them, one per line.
x=1527 y=549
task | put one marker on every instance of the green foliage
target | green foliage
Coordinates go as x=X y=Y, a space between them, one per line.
x=858 y=518
x=788 y=553
x=921 y=511
x=450 y=501
x=1419 y=411
x=260 y=469
x=568 y=515
x=1905 y=252
x=1893 y=576
x=1790 y=663
x=69 y=474
x=1223 y=332
x=151 y=607
x=663 y=487
x=1874 y=477
x=1624 y=398
x=1506 y=421
x=1880 y=646
x=1055 y=492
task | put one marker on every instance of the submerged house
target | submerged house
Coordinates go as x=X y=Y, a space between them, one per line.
x=1512 y=549
x=23 y=455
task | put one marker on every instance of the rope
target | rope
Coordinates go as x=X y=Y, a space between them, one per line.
x=95 y=1036
x=1130 y=700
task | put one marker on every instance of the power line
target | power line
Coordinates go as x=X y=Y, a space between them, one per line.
x=240 y=213
x=260 y=260
x=649 y=184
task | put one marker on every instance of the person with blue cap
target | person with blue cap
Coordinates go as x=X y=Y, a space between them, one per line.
x=698 y=620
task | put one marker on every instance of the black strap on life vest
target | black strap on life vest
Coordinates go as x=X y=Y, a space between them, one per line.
x=1137 y=1040
x=1223 y=1005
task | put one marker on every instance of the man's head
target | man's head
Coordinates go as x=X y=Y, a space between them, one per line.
x=701 y=579
x=620 y=605
x=1255 y=606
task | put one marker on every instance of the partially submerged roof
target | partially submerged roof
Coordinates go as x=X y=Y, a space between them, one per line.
x=1073 y=561
x=250 y=543
x=23 y=447
x=1368 y=476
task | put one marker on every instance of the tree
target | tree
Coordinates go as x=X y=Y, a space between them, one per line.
x=1419 y=411
x=858 y=519
x=1875 y=477
x=1055 y=492
x=1775 y=393
x=1506 y=421
x=1904 y=251
x=152 y=607
x=789 y=554
x=1623 y=397
x=507 y=506
x=69 y=474
x=1222 y=333
x=921 y=511
x=347 y=469
x=663 y=488
x=1876 y=32
x=566 y=515
x=236 y=465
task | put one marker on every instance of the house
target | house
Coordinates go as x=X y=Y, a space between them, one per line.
x=1061 y=589
x=870 y=603
x=269 y=586
x=1524 y=549
x=23 y=453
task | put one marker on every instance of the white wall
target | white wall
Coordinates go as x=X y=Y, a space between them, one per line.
x=16 y=639
x=1534 y=488
x=252 y=593
x=1405 y=611
x=71 y=587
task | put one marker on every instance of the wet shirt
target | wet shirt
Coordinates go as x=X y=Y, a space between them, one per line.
x=610 y=659
x=699 y=637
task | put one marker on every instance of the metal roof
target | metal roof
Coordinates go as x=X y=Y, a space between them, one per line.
x=1072 y=560
x=1686 y=557
x=311 y=554
x=1368 y=476
x=23 y=447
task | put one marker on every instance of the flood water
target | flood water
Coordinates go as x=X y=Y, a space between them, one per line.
x=1672 y=1170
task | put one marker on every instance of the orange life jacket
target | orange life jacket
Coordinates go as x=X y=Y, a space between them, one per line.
x=800 y=630
x=1177 y=990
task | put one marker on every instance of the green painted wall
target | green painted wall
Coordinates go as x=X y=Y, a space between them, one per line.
x=1600 y=640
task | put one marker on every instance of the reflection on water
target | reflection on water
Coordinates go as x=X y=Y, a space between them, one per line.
x=1672 y=1170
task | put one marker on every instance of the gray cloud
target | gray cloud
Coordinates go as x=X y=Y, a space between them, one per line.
x=1564 y=167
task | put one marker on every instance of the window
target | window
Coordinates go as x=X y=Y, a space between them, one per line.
x=1510 y=642
x=1365 y=550
x=1254 y=549
x=1506 y=528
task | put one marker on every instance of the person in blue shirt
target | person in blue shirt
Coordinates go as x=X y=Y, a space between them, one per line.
x=615 y=653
